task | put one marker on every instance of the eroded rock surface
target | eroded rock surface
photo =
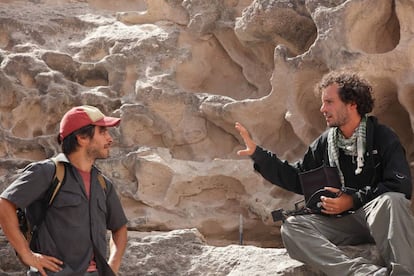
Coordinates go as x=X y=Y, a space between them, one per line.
x=185 y=252
x=180 y=74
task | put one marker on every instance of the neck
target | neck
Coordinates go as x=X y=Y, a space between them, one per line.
x=80 y=161
x=349 y=128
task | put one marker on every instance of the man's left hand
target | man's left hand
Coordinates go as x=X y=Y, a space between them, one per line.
x=334 y=206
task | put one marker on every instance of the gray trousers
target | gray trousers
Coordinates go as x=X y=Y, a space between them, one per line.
x=386 y=220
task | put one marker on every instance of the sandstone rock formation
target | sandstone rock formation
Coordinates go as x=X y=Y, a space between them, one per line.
x=185 y=252
x=179 y=74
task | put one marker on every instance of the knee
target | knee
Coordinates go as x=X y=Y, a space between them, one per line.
x=290 y=226
x=387 y=206
x=287 y=231
x=392 y=200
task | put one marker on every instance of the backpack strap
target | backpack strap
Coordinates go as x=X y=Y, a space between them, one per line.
x=58 y=179
x=102 y=181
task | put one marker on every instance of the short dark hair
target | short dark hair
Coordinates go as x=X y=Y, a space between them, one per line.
x=70 y=143
x=351 y=88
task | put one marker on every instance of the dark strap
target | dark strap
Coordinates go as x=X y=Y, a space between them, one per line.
x=103 y=267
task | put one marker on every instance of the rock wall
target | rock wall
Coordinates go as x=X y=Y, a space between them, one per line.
x=180 y=74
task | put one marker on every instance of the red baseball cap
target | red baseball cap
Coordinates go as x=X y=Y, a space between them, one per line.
x=80 y=116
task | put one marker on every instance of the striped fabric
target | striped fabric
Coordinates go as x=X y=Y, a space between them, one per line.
x=354 y=146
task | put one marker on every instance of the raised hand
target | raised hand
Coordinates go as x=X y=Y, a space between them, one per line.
x=250 y=144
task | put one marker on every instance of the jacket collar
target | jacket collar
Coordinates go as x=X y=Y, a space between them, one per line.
x=61 y=157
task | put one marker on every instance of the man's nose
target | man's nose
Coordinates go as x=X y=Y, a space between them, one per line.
x=322 y=109
x=109 y=138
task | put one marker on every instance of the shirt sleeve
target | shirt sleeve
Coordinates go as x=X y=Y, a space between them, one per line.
x=31 y=184
x=115 y=217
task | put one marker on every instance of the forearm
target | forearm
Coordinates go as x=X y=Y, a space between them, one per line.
x=10 y=226
x=118 y=244
x=276 y=171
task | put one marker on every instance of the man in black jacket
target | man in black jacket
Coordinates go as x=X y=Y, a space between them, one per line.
x=372 y=205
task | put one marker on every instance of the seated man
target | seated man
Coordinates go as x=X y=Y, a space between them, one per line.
x=372 y=205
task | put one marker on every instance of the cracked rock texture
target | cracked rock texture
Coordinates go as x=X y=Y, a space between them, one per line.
x=180 y=73
x=185 y=252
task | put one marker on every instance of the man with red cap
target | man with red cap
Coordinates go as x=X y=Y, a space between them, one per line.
x=71 y=240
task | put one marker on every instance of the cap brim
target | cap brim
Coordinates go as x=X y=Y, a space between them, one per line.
x=107 y=122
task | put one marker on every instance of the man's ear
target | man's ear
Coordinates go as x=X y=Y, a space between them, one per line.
x=353 y=106
x=82 y=139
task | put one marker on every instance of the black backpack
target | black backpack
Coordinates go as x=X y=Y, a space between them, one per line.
x=29 y=222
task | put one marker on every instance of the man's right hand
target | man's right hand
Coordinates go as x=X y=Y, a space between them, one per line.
x=250 y=144
x=10 y=226
x=41 y=262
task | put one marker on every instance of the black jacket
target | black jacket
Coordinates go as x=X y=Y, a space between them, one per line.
x=385 y=168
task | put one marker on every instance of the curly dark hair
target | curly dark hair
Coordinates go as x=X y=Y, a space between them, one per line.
x=352 y=89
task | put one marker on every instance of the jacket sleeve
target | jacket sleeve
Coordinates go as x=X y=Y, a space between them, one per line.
x=276 y=171
x=283 y=173
x=393 y=171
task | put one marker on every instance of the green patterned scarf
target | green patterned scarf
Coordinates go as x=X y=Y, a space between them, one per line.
x=354 y=146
